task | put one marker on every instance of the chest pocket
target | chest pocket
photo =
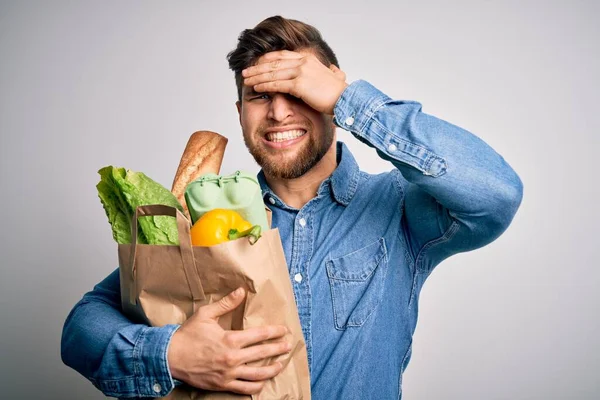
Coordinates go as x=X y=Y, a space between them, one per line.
x=356 y=281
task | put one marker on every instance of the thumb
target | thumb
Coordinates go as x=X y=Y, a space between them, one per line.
x=338 y=72
x=225 y=305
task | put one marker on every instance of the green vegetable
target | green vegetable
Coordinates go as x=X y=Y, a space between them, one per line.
x=121 y=191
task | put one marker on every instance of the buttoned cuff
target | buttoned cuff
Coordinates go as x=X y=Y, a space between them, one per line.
x=150 y=358
x=151 y=377
x=357 y=104
x=361 y=104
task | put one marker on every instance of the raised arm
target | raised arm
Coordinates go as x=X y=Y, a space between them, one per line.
x=459 y=194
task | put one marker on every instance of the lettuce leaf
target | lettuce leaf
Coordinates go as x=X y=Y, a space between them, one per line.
x=121 y=191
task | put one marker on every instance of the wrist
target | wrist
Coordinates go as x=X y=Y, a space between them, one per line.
x=339 y=92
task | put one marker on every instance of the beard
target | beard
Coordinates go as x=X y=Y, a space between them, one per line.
x=311 y=152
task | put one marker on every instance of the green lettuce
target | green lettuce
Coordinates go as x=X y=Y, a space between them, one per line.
x=121 y=191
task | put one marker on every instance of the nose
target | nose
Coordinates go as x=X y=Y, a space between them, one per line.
x=281 y=107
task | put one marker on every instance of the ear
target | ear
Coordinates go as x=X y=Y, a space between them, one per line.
x=238 y=105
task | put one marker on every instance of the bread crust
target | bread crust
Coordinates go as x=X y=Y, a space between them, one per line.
x=203 y=154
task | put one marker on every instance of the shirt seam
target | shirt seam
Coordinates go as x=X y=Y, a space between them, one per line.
x=137 y=351
x=103 y=385
x=426 y=162
x=167 y=369
x=408 y=350
x=371 y=111
x=448 y=234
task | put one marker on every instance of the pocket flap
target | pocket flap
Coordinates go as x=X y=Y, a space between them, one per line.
x=358 y=265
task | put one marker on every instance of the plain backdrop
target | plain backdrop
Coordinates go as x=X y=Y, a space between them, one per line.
x=89 y=84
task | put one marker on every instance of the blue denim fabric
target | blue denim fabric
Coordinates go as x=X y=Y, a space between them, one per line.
x=120 y=358
x=358 y=255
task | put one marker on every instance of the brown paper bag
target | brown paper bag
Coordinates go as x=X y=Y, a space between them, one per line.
x=163 y=284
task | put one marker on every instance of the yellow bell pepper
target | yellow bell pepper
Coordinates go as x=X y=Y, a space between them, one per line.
x=221 y=225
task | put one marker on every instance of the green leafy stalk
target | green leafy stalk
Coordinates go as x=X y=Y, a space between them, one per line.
x=121 y=191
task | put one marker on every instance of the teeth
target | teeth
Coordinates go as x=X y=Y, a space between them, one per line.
x=283 y=136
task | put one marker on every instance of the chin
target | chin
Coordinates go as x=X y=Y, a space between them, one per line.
x=289 y=163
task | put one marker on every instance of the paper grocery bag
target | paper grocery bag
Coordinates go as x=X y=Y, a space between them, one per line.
x=163 y=284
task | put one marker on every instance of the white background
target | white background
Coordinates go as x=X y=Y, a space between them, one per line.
x=88 y=84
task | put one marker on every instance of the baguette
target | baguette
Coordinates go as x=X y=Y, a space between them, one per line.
x=203 y=154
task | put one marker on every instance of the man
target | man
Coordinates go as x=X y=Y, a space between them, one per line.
x=358 y=246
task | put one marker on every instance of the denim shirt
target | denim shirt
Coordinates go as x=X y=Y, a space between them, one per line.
x=358 y=254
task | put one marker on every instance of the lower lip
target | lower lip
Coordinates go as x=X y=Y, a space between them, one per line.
x=286 y=143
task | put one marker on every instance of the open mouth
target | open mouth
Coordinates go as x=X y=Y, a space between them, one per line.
x=278 y=137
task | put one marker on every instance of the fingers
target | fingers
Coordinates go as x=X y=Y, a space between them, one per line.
x=251 y=380
x=287 y=86
x=338 y=72
x=244 y=387
x=252 y=336
x=274 y=75
x=223 y=306
x=264 y=373
x=274 y=65
x=262 y=351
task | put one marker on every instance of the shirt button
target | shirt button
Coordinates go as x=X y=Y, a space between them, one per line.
x=271 y=200
x=302 y=222
x=157 y=388
x=349 y=121
x=392 y=147
x=298 y=278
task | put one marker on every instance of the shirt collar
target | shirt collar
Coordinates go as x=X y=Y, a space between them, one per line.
x=343 y=182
